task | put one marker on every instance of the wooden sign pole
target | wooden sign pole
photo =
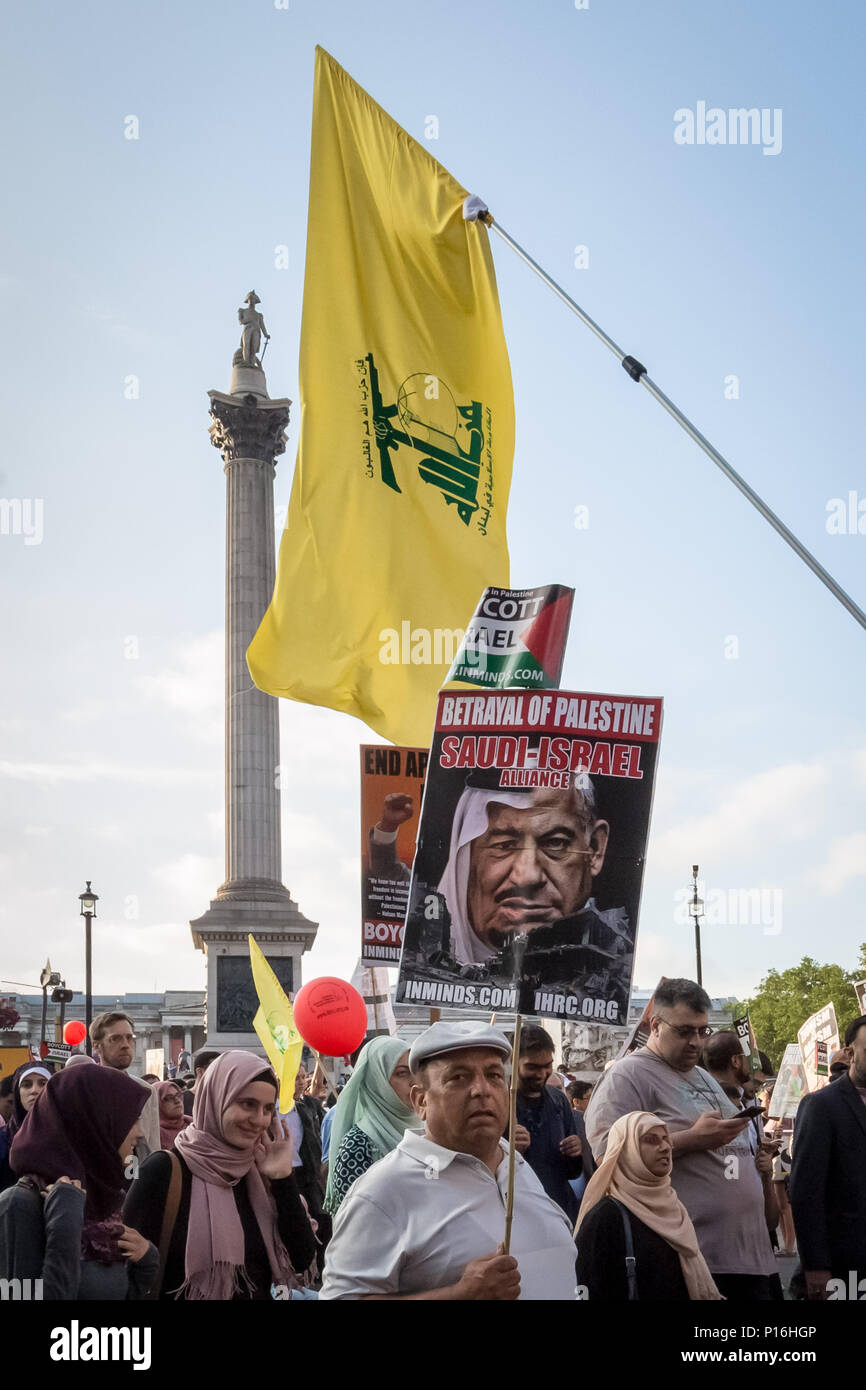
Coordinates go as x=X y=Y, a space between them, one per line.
x=512 y=1125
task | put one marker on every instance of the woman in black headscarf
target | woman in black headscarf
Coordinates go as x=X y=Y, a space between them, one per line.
x=28 y=1081
x=61 y=1221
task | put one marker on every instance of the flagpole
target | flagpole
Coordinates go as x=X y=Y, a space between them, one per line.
x=638 y=372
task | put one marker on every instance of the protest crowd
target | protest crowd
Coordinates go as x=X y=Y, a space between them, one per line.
x=664 y=1181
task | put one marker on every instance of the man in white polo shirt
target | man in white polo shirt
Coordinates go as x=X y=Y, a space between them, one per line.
x=428 y=1220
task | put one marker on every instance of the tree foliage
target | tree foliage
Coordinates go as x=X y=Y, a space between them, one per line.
x=785 y=999
x=8 y=1016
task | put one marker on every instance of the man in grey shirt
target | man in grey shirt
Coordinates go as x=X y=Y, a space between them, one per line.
x=714 y=1172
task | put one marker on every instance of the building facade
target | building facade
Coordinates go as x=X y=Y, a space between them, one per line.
x=174 y=1021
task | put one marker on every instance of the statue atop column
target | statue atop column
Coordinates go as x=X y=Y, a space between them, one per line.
x=253 y=325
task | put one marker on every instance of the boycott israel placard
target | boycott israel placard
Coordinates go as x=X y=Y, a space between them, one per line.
x=515 y=637
x=527 y=879
x=744 y=1031
x=819 y=1027
x=392 y=781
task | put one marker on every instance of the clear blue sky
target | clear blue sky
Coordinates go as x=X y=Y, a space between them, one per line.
x=129 y=258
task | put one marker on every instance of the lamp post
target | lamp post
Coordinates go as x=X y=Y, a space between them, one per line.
x=696 y=910
x=88 y=900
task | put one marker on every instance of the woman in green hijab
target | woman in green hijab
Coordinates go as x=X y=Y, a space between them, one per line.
x=371 y=1115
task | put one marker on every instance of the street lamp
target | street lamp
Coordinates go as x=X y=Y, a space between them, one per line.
x=696 y=910
x=88 y=900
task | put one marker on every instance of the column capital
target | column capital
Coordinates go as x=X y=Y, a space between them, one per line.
x=246 y=428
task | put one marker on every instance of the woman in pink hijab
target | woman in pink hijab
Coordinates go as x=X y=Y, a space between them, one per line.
x=172 y=1120
x=222 y=1206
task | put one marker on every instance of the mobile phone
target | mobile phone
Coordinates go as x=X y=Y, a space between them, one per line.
x=750 y=1112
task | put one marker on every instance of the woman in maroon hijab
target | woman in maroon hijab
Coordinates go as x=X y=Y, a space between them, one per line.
x=171 y=1117
x=61 y=1221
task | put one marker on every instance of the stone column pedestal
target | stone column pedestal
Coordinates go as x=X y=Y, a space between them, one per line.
x=248 y=428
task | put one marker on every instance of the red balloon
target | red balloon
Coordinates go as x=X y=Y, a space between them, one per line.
x=74 y=1032
x=331 y=1016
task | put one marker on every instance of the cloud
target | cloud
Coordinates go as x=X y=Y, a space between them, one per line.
x=193 y=879
x=88 y=712
x=193 y=686
x=846 y=859
x=782 y=800
x=117 y=327
x=52 y=773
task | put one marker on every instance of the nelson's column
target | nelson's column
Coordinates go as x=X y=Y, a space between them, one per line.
x=249 y=429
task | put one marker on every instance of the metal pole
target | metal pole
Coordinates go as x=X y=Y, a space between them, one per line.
x=695 y=911
x=62 y=1017
x=637 y=371
x=42 y=1037
x=88 y=983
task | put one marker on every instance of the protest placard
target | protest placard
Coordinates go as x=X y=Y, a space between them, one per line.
x=531 y=849
x=154 y=1061
x=392 y=783
x=860 y=991
x=791 y=1085
x=374 y=986
x=744 y=1031
x=640 y=1033
x=516 y=637
x=819 y=1027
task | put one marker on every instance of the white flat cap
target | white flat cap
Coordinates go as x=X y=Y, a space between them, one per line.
x=451 y=1037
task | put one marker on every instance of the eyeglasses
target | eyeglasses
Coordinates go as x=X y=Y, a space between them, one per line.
x=120 y=1037
x=683 y=1030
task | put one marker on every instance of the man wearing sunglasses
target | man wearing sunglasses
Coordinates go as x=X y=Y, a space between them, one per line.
x=714 y=1171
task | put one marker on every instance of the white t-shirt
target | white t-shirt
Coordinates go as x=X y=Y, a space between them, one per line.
x=415 y=1219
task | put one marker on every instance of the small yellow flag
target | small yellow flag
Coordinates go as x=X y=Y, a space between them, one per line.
x=397 y=515
x=275 y=1024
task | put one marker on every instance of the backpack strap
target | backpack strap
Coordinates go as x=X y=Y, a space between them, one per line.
x=169 y=1218
x=630 y=1262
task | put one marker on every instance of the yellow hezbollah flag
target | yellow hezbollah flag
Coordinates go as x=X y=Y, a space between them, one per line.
x=397 y=514
x=275 y=1024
